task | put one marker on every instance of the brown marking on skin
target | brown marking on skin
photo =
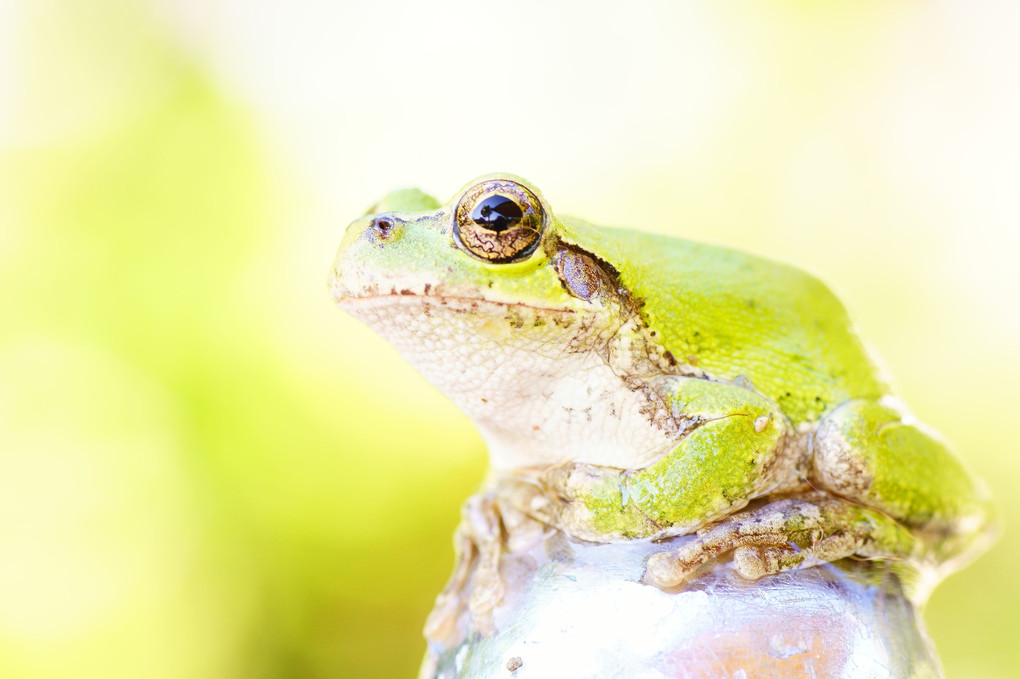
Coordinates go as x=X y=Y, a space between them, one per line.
x=563 y=322
x=659 y=413
x=514 y=318
x=629 y=348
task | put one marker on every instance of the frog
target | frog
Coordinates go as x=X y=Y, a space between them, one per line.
x=636 y=386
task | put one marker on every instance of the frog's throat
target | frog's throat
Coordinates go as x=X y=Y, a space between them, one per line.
x=543 y=385
x=628 y=349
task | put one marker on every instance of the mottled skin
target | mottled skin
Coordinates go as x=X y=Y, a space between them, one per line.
x=631 y=385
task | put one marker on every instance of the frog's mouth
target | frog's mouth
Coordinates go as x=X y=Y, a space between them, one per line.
x=429 y=304
x=429 y=298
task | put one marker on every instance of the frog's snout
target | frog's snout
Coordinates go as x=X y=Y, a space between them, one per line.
x=357 y=267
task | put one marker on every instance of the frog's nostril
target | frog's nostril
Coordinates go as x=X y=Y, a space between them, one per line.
x=383 y=226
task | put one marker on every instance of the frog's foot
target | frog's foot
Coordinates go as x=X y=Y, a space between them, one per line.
x=783 y=535
x=490 y=524
x=478 y=546
x=441 y=622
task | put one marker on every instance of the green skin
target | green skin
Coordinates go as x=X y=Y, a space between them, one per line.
x=733 y=379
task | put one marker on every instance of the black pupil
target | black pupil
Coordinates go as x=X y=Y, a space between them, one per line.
x=497 y=213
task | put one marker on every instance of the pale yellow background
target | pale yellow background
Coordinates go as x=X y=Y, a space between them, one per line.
x=207 y=471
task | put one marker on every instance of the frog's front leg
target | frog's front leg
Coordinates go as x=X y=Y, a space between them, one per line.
x=735 y=447
x=864 y=450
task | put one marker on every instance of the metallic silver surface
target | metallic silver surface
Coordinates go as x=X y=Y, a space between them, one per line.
x=577 y=610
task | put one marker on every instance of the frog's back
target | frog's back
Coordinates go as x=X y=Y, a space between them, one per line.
x=733 y=314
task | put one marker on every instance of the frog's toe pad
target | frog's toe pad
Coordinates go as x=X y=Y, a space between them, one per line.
x=665 y=570
x=441 y=622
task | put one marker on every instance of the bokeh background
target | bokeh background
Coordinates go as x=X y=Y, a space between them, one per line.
x=208 y=471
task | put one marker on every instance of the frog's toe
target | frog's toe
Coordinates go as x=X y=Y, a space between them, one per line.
x=486 y=592
x=441 y=622
x=754 y=563
x=667 y=570
x=674 y=568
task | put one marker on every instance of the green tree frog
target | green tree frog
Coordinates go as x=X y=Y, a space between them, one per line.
x=637 y=386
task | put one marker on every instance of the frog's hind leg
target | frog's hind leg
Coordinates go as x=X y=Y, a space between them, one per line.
x=867 y=452
x=887 y=489
x=784 y=535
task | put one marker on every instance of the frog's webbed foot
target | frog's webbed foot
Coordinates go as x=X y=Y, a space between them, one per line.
x=490 y=523
x=783 y=535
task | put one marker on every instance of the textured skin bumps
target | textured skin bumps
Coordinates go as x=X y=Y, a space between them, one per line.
x=732 y=314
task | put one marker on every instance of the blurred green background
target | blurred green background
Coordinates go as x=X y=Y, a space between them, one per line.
x=207 y=471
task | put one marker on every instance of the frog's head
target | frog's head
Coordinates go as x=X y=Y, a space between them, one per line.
x=522 y=329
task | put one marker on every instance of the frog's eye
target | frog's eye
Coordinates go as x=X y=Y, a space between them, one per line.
x=499 y=221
